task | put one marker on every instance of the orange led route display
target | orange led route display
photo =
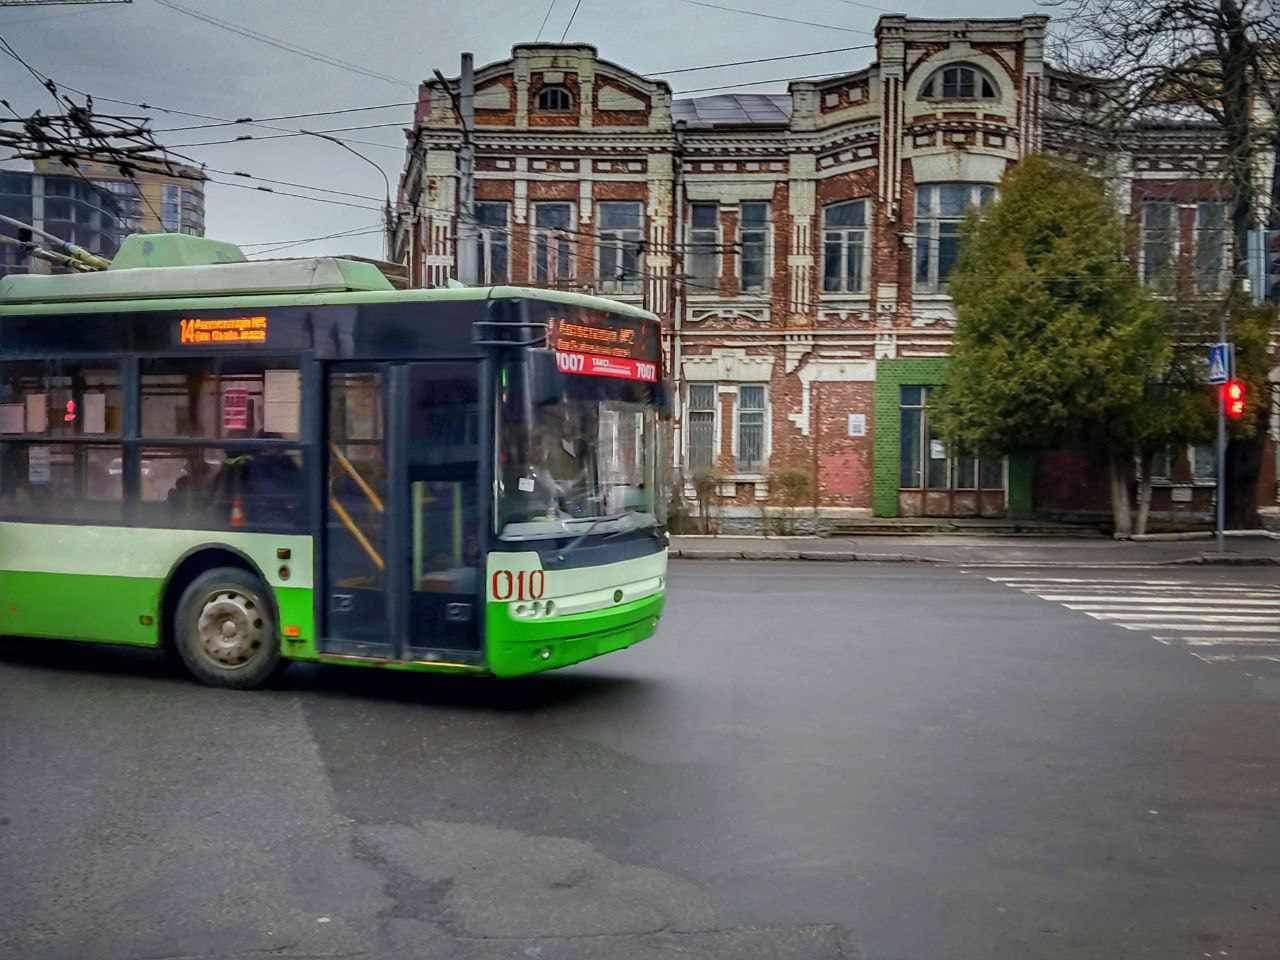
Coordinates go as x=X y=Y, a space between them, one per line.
x=196 y=331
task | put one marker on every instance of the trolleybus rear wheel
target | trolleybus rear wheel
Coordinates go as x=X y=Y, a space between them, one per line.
x=224 y=629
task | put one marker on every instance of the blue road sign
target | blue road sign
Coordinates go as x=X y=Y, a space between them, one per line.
x=1219 y=362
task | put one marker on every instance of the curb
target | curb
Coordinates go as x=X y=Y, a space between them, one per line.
x=847 y=556
x=1200 y=535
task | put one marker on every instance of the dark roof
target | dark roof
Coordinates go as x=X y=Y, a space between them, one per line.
x=733 y=109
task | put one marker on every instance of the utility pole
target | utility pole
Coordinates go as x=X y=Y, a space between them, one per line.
x=464 y=108
x=468 y=268
x=676 y=300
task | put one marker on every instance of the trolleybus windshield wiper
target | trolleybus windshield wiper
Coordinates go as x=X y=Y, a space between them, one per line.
x=595 y=522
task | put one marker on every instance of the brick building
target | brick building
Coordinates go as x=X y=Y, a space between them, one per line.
x=797 y=246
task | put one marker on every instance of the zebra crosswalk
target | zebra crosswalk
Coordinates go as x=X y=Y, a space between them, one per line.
x=1214 y=622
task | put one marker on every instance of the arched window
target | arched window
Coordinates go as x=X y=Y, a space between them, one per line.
x=555 y=98
x=960 y=81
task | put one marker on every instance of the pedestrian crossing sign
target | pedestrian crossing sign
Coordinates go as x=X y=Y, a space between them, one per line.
x=1219 y=362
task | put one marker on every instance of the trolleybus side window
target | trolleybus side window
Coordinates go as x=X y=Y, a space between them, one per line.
x=215 y=398
x=60 y=455
x=185 y=482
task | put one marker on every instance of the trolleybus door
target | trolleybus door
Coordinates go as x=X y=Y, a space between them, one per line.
x=358 y=518
x=444 y=440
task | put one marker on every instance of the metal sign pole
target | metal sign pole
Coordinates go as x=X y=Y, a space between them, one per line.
x=1230 y=363
x=1222 y=469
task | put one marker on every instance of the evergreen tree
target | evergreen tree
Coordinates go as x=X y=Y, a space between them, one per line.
x=1056 y=342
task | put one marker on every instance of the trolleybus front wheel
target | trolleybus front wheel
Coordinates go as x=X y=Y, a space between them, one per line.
x=224 y=629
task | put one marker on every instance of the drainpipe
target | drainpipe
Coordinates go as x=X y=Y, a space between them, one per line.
x=677 y=299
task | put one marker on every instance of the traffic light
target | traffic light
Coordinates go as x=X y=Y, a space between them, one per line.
x=1233 y=398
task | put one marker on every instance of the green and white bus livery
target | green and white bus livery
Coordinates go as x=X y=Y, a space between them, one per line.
x=260 y=462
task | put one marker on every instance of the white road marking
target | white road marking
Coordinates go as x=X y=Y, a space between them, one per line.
x=1196 y=616
x=1166 y=583
x=1185 y=606
x=1206 y=627
x=1166 y=603
x=1192 y=617
x=1224 y=641
x=1057 y=593
x=1248 y=600
x=1131 y=591
x=1237 y=657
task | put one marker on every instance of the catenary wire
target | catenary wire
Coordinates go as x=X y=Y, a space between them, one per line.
x=350 y=235
x=299 y=196
x=752 y=83
x=264 y=122
x=292 y=240
x=142 y=105
x=570 y=23
x=867 y=6
x=744 y=63
x=545 y=17
x=291 y=183
x=51 y=86
x=286 y=116
x=245 y=138
x=279 y=44
x=771 y=16
x=85 y=8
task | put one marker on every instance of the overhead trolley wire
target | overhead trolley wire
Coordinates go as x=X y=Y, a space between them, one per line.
x=570 y=23
x=279 y=44
x=771 y=16
x=286 y=116
x=546 y=16
x=745 y=63
x=294 y=240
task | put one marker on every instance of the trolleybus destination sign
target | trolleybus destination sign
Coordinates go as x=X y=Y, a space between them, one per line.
x=618 y=347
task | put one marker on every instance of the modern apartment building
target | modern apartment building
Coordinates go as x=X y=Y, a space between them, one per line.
x=150 y=202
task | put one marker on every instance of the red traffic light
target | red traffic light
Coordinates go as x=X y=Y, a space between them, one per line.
x=1233 y=399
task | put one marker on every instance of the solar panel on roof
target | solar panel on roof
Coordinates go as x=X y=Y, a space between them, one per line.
x=731 y=108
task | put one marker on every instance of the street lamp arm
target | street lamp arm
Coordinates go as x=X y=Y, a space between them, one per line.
x=386 y=210
x=346 y=146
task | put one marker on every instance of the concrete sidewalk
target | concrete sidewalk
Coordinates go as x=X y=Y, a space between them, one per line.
x=982 y=551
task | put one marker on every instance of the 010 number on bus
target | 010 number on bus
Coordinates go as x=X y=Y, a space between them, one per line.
x=517 y=585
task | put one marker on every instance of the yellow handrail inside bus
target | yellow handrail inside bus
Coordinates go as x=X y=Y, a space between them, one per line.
x=354 y=474
x=341 y=513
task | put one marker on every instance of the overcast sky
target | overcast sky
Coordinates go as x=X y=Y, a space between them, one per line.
x=150 y=53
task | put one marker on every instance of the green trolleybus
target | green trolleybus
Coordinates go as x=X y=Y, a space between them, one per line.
x=254 y=462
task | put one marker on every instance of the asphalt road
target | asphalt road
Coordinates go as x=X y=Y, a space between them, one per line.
x=809 y=761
